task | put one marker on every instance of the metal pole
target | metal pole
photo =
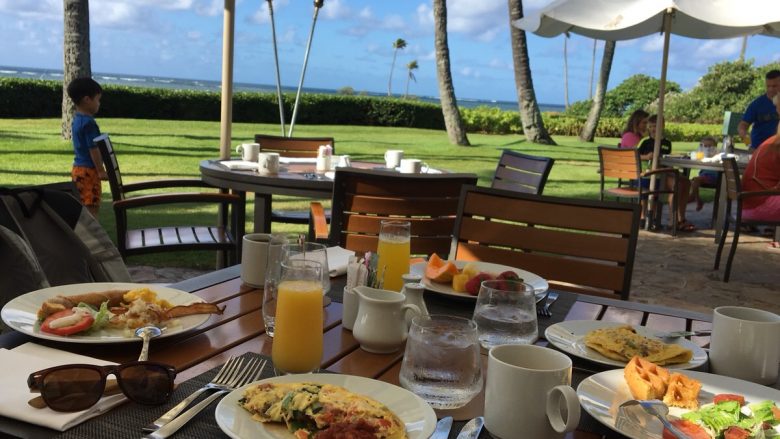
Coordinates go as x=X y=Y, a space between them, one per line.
x=276 y=63
x=226 y=114
x=317 y=6
x=659 y=127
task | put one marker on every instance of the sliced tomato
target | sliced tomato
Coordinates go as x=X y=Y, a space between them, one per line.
x=82 y=325
x=693 y=431
x=735 y=432
x=729 y=397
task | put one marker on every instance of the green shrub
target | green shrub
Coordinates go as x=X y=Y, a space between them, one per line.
x=634 y=93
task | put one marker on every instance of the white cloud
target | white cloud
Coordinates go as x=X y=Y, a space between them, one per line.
x=482 y=20
x=500 y=64
x=653 y=43
x=194 y=35
x=40 y=9
x=470 y=72
x=424 y=16
x=393 y=22
x=366 y=13
x=335 y=10
x=262 y=16
x=209 y=8
x=718 y=49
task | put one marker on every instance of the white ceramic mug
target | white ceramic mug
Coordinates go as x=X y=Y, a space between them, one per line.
x=393 y=158
x=254 y=258
x=413 y=166
x=533 y=383
x=268 y=162
x=745 y=344
x=248 y=151
x=344 y=162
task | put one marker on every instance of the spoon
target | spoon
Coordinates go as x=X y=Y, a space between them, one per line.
x=658 y=409
x=146 y=334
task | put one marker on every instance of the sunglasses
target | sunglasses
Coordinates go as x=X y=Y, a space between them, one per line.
x=75 y=387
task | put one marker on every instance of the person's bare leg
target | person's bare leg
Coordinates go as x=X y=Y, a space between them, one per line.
x=94 y=211
x=695 y=184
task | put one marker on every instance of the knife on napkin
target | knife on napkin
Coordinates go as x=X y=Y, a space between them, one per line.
x=442 y=428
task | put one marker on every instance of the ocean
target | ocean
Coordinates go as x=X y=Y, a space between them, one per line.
x=205 y=85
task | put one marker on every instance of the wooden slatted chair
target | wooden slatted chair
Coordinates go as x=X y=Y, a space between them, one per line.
x=363 y=198
x=736 y=195
x=624 y=165
x=293 y=147
x=577 y=245
x=222 y=237
x=522 y=172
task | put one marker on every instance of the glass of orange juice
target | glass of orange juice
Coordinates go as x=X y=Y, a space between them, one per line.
x=394 y=251
x=297 y=346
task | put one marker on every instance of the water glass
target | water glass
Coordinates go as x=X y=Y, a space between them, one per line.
x=442 y=362
x=506 y=313
x=394 y=249
x=309 y=251
x=271 y=285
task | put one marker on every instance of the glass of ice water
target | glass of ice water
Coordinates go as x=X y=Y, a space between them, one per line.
x=505 y=313
x=442 y=362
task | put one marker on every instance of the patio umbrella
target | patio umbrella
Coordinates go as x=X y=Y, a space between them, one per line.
x=317 y=5
x=617 y=20
x=276 y=63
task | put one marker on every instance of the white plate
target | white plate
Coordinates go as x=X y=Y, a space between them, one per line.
x=569 y=337
x=418 y=416
x=601 y=395
x=20 y=312
x=540 y=285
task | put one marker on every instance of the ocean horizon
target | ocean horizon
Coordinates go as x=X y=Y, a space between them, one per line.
x=207 y=85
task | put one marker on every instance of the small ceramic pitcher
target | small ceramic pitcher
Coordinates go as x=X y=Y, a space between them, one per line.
x=414 y=296
x=380 y=326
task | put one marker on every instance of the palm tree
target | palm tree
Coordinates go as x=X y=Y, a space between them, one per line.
x=409 y=68
x=397 y=45
x=592 y=69
x=589 y=129
x=566 y=70
x=531 y=117
x=76 y=59
x=456 y=131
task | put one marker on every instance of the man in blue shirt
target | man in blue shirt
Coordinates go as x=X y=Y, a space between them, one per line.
x=761 y=113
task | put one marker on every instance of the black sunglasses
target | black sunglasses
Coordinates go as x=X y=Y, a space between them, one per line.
x=75 y=387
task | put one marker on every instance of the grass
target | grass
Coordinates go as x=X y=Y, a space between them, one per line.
x=33 y=152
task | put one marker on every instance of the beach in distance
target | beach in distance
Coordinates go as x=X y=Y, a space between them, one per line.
x=205 y=85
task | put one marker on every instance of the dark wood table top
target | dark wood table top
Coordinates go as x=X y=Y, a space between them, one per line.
x=686 y=162
x=240 y=329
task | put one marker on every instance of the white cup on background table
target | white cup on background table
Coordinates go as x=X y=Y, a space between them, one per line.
x=248 y=151
x=393 y=158
x=254 y=258
x=268 y=162
x=413 y=166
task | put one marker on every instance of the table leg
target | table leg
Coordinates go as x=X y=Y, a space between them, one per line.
x=720 y=217
x=262 y=213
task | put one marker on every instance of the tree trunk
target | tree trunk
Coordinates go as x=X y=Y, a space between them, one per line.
x=531 y=117
x=76 y=59
x=449 y=106
x=566 y=71
x=390 y=81
x=592 y=69
x=589 y=129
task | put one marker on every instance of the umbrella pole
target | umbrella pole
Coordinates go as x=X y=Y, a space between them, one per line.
x=276 y=63
x=226 y=111
x=659 y=127
x=317 y=6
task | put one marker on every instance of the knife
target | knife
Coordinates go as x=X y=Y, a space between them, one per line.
x=442 y=428
x=472 y=428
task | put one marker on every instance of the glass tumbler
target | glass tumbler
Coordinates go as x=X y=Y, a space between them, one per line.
x=505 y=313
x=394 y=249
x=309 y=251
x=442 y=362
x=271 y=287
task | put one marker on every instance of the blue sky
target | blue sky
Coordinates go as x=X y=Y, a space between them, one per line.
x=352 y=45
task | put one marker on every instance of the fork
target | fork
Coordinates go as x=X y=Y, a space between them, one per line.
x=218 y=382
x=239 y=377
x=658 y=409
x=545 y=310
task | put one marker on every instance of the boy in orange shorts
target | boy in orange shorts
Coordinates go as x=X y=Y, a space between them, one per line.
x=88 y=170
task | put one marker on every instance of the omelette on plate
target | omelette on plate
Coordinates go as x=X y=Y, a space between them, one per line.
x=322 y=411
x=622 y=343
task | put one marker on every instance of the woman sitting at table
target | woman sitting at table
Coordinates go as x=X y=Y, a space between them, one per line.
x=636 y=128
x=763 y=174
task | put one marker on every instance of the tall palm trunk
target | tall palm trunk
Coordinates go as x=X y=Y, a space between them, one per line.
x=392 y=67
x=76 y=59
x=565 y=71
x=449 y=106
x=531 y=117
x=592 y=69
x=589 y=129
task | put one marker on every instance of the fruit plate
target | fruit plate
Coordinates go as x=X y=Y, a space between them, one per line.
x=540 y=285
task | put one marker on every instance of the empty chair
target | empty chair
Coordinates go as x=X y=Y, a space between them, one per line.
x=522 y=172
x=222 y=236
x=577 y=245
x=363 y=198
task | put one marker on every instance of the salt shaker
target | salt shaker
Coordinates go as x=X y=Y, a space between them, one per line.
x=324 y=155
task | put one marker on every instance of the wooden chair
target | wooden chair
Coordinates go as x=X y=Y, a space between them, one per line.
x=363 y=198
x=577 y=245
x=625 y=165
x=222 y=237
x=295 y=147
x=522 y=172
x=735 y=194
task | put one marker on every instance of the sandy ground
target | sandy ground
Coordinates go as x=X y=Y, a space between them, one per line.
x=668 y=271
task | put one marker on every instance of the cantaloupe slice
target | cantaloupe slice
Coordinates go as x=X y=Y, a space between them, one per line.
x=439 y=270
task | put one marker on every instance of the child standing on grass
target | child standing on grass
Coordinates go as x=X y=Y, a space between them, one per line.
x=710 y=178
x=88 y=170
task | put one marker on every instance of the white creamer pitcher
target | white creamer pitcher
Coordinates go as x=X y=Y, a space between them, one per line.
x=380 y=326
x=414 y=296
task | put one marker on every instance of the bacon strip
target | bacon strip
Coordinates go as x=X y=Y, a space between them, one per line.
x=194 y=308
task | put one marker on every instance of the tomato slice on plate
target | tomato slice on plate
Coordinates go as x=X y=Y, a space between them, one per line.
x=82 y=325
x=729 y=397
x=693 y=431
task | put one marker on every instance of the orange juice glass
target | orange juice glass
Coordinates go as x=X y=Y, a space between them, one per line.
x=394 y=252
x=297 y=346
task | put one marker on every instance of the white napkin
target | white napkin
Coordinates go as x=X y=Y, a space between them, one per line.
x=290 y=160
x=239 y=165
x=28 y=358
x=338 y=259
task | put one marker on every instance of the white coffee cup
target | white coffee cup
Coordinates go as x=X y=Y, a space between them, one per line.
x=393 y=158
x=350 y=301
x=248 y=151
x=344 y=162
x=254 y=258
x=413 y=166
x=745 y=344
x=268 y=162
x=532 y=382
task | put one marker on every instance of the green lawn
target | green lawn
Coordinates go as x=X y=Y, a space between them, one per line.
x=33 y=152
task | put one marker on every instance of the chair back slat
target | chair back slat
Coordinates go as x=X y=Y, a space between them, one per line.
x=620 y=163
x=112 y=166
x=522 y=172
x=731 y=174
x=301 y=147
x=578 y=245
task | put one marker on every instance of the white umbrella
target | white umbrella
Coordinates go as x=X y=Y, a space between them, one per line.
x=628 y=19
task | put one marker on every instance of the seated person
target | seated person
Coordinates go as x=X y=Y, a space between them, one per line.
x=636 y=126
x=708 y=178
x=763 y=174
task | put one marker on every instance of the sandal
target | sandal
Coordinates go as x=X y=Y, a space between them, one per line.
x=685 y=226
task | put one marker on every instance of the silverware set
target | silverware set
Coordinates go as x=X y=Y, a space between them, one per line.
x=544 y=310
x=469 y=431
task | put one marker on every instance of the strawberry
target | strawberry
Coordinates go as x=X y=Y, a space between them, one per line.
x=473 y=284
